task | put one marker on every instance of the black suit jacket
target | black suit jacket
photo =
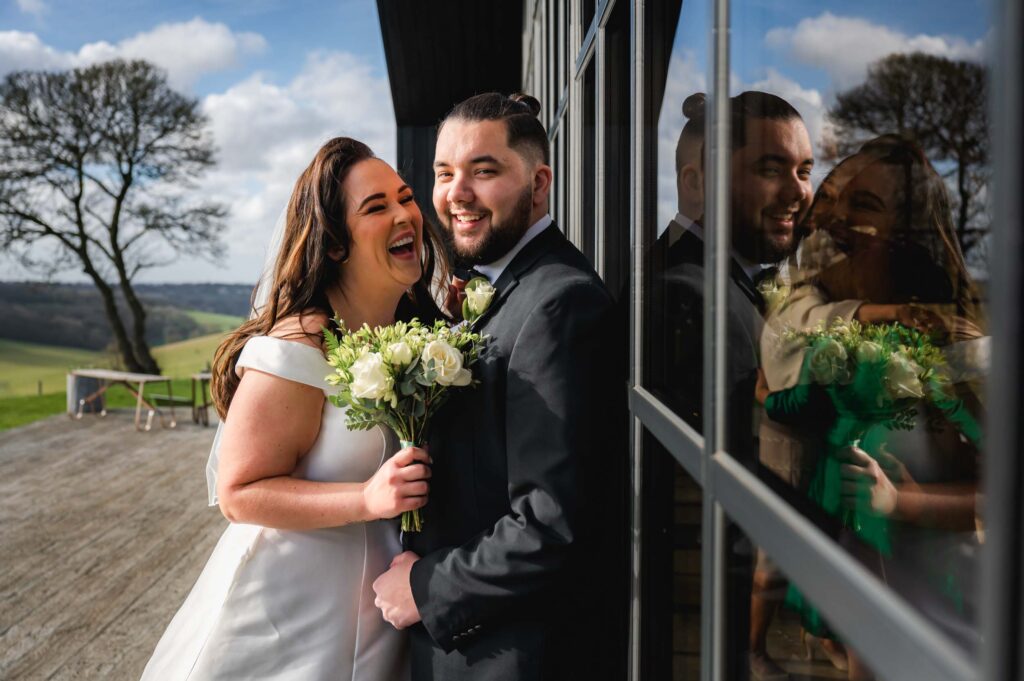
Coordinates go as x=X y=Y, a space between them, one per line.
x=677 y=337
x=523 y=569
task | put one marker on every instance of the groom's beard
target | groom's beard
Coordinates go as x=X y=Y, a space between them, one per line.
x=498 y=241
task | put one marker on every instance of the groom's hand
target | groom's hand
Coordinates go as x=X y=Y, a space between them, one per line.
x=394 y=594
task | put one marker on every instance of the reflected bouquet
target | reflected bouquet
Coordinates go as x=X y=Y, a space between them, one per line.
x=889 y=365
x=399 y=376
x=875 y=376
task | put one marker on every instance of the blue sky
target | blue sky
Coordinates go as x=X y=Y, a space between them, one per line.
x=806 y=51
x=275 y=78
x=278 y=78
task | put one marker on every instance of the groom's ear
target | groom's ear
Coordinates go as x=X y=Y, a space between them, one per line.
x=542 y=176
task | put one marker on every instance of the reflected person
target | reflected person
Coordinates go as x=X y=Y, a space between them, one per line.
x=882 y=249
x=770 y=167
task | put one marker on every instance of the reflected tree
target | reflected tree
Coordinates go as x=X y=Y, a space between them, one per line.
x=939 y=103
x=96 y=165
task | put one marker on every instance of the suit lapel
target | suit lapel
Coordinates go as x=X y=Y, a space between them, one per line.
x=524 y=260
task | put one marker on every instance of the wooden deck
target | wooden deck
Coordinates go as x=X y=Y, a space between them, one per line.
x=103 y=532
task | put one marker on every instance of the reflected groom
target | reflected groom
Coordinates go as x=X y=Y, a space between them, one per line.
x=521 y=571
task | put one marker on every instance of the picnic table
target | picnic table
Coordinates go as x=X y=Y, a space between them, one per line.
x=109 y=377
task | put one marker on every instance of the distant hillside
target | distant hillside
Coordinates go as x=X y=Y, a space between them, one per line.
x=72 y=315
x=28 y=368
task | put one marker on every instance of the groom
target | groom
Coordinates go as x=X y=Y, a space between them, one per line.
x=521 y=571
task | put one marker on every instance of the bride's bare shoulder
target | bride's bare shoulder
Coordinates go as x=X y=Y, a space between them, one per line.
x=305 y=327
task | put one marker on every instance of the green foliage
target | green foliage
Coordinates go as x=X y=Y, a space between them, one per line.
x=399 y=375
x=896 y=364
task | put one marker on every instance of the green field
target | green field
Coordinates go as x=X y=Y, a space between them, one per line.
x=24 y=365
x=211 y=322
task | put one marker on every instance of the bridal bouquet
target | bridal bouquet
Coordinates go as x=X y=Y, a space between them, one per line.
x=875 y=375
x=398 y=376
x=892 y=365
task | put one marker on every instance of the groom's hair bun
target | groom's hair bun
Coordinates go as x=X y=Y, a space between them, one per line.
x=694 y=107
x=529 y=101
x=518 y=111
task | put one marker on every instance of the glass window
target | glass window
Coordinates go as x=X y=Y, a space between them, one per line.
x=671 y=576
x=617 y=103
x=674 y=301
x=589 y=159
x=857 y=342
x=789 y=637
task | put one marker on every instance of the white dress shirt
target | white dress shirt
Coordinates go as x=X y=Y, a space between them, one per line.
x=494 y=269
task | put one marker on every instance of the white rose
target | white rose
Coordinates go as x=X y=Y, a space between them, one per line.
x=775 y=296
x=869 y=351
x=479 y=296
x=370 y=378
x=902 y=378
x=401 y=353
x=446 y=363
x=828 y=362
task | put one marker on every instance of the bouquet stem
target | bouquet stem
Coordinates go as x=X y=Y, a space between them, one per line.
x=411 y=520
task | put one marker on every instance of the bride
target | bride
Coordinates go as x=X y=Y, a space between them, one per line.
x=287 y=592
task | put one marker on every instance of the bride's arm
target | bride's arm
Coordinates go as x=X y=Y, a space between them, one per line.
x=271 y=423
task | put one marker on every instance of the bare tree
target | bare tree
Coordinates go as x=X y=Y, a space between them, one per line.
x=939 y=103
x=98 y=162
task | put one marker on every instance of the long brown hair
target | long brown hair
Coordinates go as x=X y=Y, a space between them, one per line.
x=314 y=226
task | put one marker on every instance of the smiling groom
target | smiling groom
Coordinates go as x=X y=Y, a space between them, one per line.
x=520 y=571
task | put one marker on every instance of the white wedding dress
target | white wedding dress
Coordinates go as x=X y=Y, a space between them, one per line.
x=293 y=605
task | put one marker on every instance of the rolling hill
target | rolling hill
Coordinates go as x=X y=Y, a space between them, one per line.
x=23 y=366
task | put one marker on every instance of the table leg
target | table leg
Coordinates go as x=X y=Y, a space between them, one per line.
x=170 y=394
x=138 y=409
x=90 y=398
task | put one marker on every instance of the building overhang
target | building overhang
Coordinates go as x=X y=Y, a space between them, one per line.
x=439 y=53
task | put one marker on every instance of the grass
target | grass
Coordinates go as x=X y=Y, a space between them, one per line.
x=18 y=411
x=184 y=358
x=211 y=322
x=22 y=365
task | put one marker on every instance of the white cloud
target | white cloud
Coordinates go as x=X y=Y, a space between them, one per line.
x=190 y=49
x=186 y=50
x=267 y=133
x=36 y=8
x=686 y=75
x=845 y=46
x=20 y=50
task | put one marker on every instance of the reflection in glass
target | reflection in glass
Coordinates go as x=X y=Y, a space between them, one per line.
x=877 y=303
x=873 y=349
x=787 y=649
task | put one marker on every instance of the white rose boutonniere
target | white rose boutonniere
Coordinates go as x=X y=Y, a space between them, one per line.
x=479 y=293
x=775 y=294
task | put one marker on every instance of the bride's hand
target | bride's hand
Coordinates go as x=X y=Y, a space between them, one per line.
x=399 y=485
x=865 y=484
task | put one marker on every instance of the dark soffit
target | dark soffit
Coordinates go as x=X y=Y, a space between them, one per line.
x=440 y=52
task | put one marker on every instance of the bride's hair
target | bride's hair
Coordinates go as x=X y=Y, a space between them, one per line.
x=314 y=226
